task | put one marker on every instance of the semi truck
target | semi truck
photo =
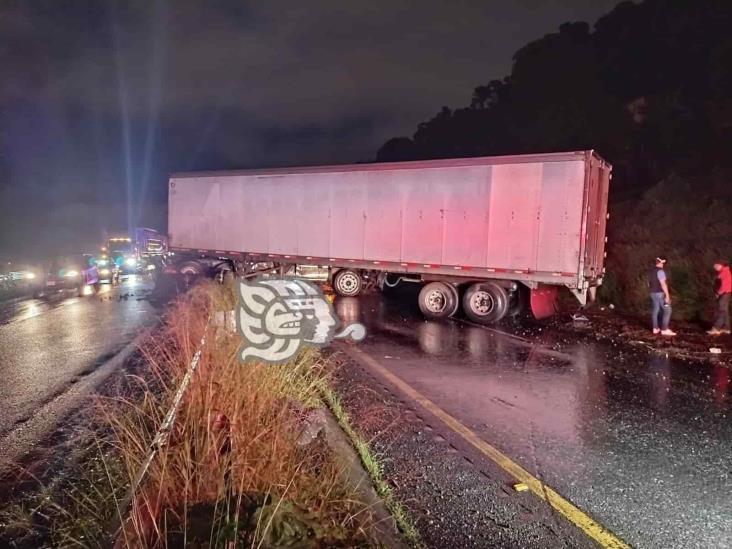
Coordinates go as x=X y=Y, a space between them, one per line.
x=130 y=254
x=149 y=243
x=491 y=235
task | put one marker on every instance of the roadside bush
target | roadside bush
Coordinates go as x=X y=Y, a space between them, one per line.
x=686 y=219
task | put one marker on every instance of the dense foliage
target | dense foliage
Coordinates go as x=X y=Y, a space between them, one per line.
x=650 y=87
x=685 y=218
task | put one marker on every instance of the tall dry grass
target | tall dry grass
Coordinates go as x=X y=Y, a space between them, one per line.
x=231 y=472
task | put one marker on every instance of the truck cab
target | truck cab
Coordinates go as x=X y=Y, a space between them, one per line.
x=122 y=255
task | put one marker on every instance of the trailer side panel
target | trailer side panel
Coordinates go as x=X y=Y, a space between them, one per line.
x=495 y=215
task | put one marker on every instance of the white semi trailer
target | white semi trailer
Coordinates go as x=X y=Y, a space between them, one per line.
x=490 y=234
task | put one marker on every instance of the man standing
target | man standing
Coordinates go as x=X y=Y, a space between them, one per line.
x=660 y=298
x=723 y=289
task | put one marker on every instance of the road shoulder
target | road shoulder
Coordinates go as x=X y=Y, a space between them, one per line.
x=456 y=497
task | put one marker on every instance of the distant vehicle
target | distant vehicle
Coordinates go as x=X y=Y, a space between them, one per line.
x=16 y=277
x=490 y=234
x=77 y=272
x=106 y=268
x=121 y=252
x=133 y=254
x=149 y=243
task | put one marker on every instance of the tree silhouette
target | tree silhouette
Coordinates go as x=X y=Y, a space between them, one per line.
x=649 y=87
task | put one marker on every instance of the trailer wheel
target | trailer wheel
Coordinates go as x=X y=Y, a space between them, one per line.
x=347 y=283
x=189 y=273
x=438 y=300
x=485 y=302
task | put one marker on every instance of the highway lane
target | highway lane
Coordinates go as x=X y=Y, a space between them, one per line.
x=49 y=347
x=639 y=442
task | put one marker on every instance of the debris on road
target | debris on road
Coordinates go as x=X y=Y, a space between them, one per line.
x=691 y=343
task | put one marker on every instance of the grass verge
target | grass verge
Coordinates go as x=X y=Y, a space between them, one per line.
x=374 y=469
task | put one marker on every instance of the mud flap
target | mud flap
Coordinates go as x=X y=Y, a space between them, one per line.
x=544 y=301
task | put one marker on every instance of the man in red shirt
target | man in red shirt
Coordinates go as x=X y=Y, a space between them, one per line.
x=723 y=287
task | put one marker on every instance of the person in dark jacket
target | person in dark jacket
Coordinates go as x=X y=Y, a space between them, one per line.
x=723 y=291
x=660 y=299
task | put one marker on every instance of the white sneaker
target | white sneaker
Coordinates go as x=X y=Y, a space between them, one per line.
x=668 y=332
x=656 y=331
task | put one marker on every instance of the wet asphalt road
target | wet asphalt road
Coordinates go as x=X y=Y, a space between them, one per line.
x=641 y=443
x=49 y=347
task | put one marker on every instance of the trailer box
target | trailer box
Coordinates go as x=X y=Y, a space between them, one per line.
x=537 y=219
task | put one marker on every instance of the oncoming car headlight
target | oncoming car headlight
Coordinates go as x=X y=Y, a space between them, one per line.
x=130 y=262
x=103 y=262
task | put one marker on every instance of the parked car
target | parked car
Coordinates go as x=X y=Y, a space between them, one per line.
x=75 y=273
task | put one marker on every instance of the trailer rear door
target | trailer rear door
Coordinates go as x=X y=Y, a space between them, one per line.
x=598 y=180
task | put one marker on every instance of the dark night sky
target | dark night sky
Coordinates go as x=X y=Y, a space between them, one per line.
x=99 y=100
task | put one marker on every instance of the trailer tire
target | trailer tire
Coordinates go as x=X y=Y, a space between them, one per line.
x=456 y=296
x=517 y=303
x=188 y=274
x=485 y=302
x=347 y=283
x=438 y=300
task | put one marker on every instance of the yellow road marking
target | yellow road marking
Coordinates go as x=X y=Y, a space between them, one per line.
x=575 y=515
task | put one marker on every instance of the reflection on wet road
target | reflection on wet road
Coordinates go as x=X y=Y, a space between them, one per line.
x=48 y=345
x=641 y=443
